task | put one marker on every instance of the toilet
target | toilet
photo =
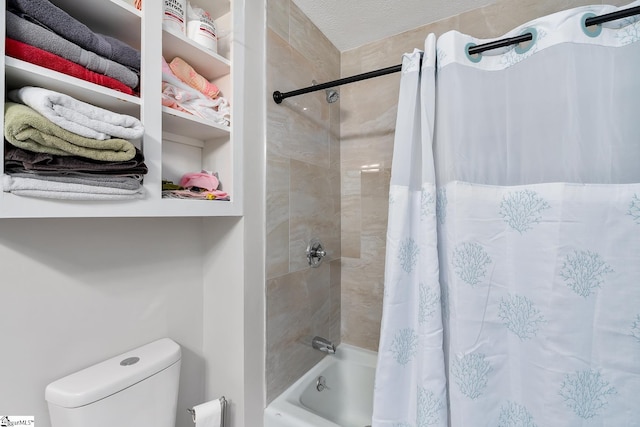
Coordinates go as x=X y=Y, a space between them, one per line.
x=138 y=388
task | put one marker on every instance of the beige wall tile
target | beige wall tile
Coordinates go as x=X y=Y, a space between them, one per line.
x=300 y=306
x=334 y=151
x=277 y=249
x=289 y=328
x=362 y=290
x=311 y=210
x=303 y=197
x=278 y=17
x=375 y=203
x=278 y=176
x=388 y=52
x=278 y=59
x=351 y=213
x=277 y=220
x=309 y=41
x=290 y=134
x=336 y=302
x=299 y=127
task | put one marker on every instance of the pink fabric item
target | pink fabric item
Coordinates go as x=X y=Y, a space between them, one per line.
x=187 y=74
x=169 y=101
x=201 y=180
x=219 y=194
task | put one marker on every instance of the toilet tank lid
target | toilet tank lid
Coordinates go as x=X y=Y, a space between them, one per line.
x=111 y=376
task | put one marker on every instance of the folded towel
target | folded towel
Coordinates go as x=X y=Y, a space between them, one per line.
x=66 y=191
x=77 y=116
x=26 y=128
x=37 y=36
x=60 y=22
x=214 y=110
x=177 y=94
x=125 y=183
x=18 y=160
x=42 y=58
x=187 y=74
x=67 y=174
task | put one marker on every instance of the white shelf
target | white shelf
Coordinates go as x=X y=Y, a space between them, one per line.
x=28 y=207
x=20 y=73
x=179 y=122
x=206 y=62
x=192 y=144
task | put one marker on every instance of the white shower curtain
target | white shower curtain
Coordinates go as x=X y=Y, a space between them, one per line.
x=512 y=292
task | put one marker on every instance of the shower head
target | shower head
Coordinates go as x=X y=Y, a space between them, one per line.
x=332 y=95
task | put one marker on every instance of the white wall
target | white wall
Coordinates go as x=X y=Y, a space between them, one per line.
x=77 y=291
x=234 y=263
x=255 y=216
x=74 y=292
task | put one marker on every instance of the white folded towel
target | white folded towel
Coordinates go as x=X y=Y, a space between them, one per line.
x=66 y=191
x=214 y=110
x=78 y=117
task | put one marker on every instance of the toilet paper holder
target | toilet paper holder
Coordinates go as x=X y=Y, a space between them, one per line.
x=223 y=410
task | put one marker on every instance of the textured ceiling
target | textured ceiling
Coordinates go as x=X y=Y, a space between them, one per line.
x=352 y=23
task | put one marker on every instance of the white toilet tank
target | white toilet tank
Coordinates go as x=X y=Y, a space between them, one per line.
x=136 y=389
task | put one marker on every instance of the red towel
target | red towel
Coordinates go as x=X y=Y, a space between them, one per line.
x=57 y=63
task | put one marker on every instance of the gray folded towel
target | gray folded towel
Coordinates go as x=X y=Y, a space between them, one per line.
x=66 y=191
x=124 y=183
x=18 y=159
x=60 y=22
x=35 y=35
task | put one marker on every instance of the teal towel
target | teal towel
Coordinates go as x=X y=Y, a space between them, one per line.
x=27 y=129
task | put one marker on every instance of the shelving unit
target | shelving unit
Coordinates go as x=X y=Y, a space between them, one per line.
x=175 y=142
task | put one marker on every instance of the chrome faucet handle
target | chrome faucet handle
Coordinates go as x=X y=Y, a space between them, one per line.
x=315 y=253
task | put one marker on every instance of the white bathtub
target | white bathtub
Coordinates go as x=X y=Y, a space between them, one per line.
x=347 y=401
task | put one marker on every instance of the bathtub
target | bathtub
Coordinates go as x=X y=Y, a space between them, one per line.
x=346 y=401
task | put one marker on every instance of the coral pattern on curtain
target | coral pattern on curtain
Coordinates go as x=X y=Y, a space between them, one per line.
x=512 y=292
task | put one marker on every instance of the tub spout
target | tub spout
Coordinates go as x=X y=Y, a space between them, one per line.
x=323 y=344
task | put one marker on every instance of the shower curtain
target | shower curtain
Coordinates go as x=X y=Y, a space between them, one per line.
x=512 y=281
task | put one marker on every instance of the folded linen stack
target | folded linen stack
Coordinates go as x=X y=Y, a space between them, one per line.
x=185 y=90
x=62 y=148
x=40 y=33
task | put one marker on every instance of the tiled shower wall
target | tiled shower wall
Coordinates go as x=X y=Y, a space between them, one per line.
x=303 y=196
x=328 y=170
x=368 y=112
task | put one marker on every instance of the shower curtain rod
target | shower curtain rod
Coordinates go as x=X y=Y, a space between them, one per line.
x=278 y=96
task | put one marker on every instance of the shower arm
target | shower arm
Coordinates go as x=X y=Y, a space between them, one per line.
x=278 y=96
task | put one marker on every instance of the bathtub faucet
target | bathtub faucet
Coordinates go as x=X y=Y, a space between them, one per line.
x=323 y=344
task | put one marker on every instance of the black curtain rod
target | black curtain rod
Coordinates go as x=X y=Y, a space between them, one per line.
x=278 y=96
